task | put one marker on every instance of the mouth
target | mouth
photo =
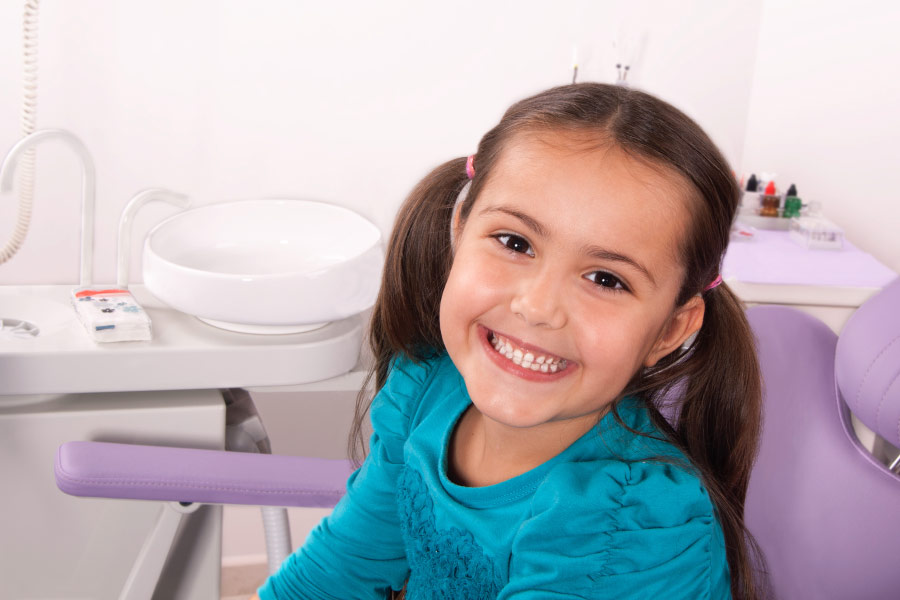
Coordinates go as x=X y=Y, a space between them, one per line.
x=523 y=359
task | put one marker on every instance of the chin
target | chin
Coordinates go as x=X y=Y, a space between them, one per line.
x=512 y=408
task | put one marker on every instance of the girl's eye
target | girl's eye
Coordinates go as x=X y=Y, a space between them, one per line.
x=607 y=280
x=515 y=243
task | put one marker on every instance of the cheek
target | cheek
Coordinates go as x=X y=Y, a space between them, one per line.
x=618 y=340
x=473 y=287
x=452 y=307
x=447 y=311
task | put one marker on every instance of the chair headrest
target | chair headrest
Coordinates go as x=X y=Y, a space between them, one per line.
x=867 y=363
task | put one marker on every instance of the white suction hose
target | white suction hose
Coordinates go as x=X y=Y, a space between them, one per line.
x=245 y=432
x=278 y=536
x=25 y=173
x=243 y=437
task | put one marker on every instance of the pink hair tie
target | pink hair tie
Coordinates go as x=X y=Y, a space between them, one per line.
x=470 y=166
x=715 y=283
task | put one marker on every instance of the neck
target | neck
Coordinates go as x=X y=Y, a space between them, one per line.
x=484 y=452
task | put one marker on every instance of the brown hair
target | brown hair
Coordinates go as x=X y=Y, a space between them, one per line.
x=713 y=385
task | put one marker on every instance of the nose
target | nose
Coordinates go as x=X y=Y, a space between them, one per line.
x=538 y=300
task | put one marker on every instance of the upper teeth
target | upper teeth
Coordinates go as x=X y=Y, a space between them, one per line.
x=525 y=358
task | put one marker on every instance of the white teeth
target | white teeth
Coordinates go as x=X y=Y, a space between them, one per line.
x=526 y=358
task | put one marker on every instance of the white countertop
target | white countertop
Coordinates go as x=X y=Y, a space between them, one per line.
x=185 y=353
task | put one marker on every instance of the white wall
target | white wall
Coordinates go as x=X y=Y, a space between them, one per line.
x=824 y=112
x=346 y=102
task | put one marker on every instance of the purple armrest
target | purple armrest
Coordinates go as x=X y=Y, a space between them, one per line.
x=104 y=470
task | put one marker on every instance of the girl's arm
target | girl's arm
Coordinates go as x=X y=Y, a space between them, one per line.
x=357 y=551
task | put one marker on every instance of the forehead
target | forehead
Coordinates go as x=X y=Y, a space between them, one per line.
x=596 y=190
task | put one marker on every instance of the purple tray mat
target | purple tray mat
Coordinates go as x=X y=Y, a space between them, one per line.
x=773 y=258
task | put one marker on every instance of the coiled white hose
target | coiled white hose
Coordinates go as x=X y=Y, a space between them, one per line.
x=25 y=173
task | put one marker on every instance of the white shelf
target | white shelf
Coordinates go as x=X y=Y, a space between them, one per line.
x=810 y=295
x=185 y=353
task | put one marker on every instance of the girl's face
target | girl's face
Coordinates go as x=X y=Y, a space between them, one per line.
x=564 y=281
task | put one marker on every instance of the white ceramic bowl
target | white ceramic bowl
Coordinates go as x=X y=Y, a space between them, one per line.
x=265 y=266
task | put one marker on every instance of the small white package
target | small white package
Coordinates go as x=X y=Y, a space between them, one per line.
x=111 y=315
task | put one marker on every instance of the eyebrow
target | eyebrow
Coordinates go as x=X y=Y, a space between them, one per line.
x=591 y=250
x=530 y=222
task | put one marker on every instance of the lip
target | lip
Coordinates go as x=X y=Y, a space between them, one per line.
x=517 y=370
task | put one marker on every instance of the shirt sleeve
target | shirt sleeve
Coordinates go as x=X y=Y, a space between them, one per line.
x=619 y=530
x=357 y=551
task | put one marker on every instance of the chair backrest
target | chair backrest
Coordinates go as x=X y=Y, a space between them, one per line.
x=824 y=512
x=867 y=363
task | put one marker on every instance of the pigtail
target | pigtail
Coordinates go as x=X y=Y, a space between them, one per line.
x=406 y=317
x=719 y=420
x=719 y=424
x=712 y=393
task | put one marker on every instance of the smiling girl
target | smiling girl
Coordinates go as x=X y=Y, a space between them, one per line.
x=545 y=303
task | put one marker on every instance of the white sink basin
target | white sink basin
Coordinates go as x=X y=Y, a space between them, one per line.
x=265 y=266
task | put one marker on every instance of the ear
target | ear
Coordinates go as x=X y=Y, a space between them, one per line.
x=684 y=322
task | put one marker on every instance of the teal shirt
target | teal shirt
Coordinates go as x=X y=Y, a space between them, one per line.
x=600 y=520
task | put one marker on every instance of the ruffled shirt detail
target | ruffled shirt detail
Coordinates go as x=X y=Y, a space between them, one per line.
x=444 y=563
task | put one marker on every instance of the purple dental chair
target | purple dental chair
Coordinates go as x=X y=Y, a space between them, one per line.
x=825 y=512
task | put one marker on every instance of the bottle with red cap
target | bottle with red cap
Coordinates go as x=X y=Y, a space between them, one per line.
x=770 y=202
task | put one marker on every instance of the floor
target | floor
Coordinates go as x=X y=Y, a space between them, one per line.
x=244 y=559
x=239 y=582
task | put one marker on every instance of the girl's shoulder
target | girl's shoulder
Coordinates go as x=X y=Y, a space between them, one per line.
x=632 y=524
x=623 y=480
x=399 y=402
x=616 y=493
x=625 y=526
x=409 y=378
